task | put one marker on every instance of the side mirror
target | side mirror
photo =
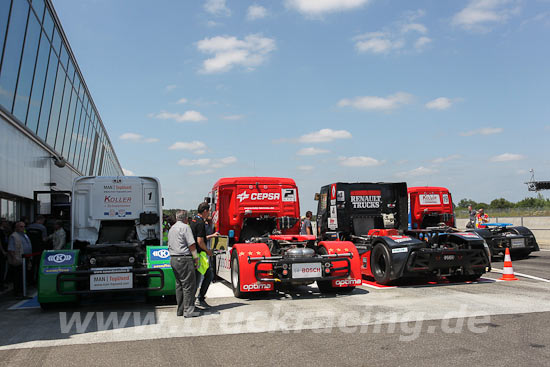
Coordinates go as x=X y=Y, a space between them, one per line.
x=207 y=199
x=317 y=196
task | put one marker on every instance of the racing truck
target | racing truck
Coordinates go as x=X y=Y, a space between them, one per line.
x=431 y=207
x=115 y=243
x=262 y=249
x=373 y=216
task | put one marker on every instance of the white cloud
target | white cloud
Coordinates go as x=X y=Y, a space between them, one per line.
x=127 y=172
x=233 y=117
x=228 y=160
x=137 y=138
x=445 y=159
x=378 y=103
x=306 y=168
x=441 y=103
x=420 y=171
x=324 y=135
x=414 y=27
x=191 y=145
x=131 y=136
x=190 y=115
x=217 y=8
x=483 y=131
x=478 y=13
x=315 y=8
x=422 y=42
x=256 y=12
x=311 y=151
x=170 y=87
x=377 y=43
x=359 y=161
x=182 y=100
x=507 y=157
x=194 y=162
x=229 y=52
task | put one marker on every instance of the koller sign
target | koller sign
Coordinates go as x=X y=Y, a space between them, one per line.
x=116 y=200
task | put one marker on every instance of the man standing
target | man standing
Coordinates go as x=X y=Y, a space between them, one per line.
x=59 y=237
x=184 y=260
x=306 y=225
x=481 y=219
x=18 y=245
x=198 y=226
x=472 y=213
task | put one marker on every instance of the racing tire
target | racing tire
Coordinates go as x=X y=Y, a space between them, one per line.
x=381 y=264
x=236 y=277
x=325 y=286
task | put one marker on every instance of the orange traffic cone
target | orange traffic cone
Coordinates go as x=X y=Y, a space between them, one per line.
x=508 y=273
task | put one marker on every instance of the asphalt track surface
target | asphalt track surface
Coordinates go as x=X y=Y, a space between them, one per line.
x=491 y=323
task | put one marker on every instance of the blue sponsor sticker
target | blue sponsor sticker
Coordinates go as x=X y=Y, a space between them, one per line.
x=59 y=258
x=160 y=266
x=55 y=270
x=159 y=254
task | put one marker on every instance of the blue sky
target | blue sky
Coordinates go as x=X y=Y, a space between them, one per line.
x=443 y=93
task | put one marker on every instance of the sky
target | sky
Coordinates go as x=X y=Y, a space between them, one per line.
x=439 y=93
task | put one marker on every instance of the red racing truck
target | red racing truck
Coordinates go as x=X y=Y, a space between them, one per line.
x=430 y=206
x=373 y=215
x=259 y=218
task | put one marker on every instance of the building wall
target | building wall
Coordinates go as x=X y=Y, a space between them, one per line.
x=46 y=110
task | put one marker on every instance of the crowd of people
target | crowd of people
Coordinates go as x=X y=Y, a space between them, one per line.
x=478 y=218
x=23 y=240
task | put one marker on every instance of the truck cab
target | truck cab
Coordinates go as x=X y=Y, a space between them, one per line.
x=115 y=241
x=429 y=206
x=254 y=206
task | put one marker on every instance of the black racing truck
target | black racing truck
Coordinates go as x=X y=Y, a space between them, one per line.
x=374 y=217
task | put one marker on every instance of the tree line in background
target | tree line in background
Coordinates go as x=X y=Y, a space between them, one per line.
x=501 y=203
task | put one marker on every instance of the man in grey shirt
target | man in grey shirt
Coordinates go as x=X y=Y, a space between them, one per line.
x=184 y=260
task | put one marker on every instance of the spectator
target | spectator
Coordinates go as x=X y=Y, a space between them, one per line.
x=183 y=260
x=481 y=218
x=3 y=252
x=38 y=235
x=59 y=237
x=472 y=213
x=306 y=224
x=198 y=226
x=18 y=245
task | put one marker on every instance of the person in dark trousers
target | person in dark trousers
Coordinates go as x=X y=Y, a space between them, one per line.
x=3 y=253
x=306 y=224
x=472 y=213
x=38 y=234
x=18 y=245
x=184 y=261
x=198 y=226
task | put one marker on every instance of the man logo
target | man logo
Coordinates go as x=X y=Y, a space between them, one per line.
x=163 y=254
x=59 y=258
x=242 y=196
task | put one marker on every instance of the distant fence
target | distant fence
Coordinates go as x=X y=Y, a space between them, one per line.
x=508 y=212
x=540 y=226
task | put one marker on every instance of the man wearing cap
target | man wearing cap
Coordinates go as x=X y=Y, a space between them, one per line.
x=481 y=218
x=184 y=260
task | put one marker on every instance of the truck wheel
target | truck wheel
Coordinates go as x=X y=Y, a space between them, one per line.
x=325 y=286
x=380 y=262
x=236 y=276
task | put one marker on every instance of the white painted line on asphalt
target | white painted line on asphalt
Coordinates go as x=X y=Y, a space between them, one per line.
x=522 y=275
x=544 y=250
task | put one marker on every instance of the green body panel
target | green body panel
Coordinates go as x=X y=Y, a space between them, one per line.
x=154 y=261
x=52 y=263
